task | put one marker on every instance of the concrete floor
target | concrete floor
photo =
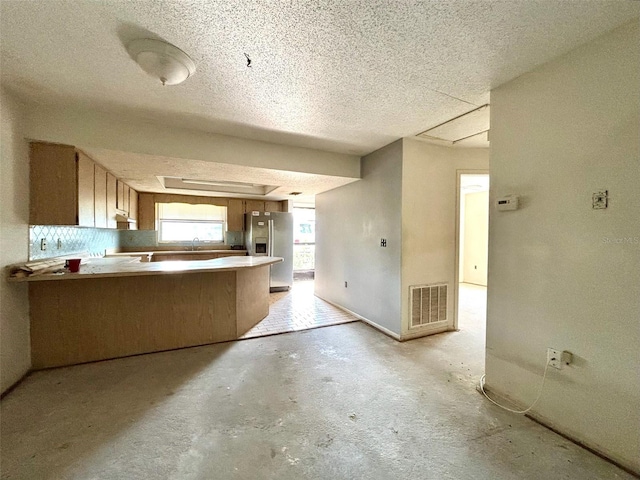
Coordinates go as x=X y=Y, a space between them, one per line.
x=341 y=402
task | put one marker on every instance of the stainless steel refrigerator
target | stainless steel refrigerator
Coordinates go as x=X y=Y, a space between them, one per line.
x=271 y=234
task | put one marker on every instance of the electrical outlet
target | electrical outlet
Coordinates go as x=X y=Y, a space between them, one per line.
x=554 y=358
x=43 y=244
x=345 y=284
x=383 y=242
x=557 y=359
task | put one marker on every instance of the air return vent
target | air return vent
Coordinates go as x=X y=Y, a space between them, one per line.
x=428 y=304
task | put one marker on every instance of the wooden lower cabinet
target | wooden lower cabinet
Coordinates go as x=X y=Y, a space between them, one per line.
x=85 y=320
x=168 y=256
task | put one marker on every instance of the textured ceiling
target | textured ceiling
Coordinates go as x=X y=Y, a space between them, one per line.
x=135 y=169
x=347 y=76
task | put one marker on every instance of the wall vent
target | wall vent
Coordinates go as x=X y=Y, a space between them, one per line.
x=428 y=304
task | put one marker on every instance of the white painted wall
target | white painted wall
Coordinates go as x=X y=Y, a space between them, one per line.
x=475 y=244
x=561 y=274
x=350 y=221
x=93 y=129
x=429 y=191
x=15 y=349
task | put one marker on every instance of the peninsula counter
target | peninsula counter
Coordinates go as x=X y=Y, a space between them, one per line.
x=111 y=311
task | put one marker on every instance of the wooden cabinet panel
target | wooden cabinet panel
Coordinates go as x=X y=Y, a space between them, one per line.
x=120 y=197
x=86 y=196
x=133 y=207
x=272 y=206
x=100 y=189
x=53 y=191
x=146 y=211
x=235 y=215
x=125 y=198
x=253 y=205
x=112 y=200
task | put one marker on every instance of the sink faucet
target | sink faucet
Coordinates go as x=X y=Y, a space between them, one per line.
x=193 y=243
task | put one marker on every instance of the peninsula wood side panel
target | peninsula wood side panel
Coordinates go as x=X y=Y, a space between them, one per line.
x=86 y=320
x=252 y=298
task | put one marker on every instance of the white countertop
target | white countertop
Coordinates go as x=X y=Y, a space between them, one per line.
x=121 y=269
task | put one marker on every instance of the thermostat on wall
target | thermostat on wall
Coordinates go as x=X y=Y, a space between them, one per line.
x=508 y=202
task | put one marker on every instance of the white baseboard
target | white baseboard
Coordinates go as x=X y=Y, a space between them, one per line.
x=386 y=331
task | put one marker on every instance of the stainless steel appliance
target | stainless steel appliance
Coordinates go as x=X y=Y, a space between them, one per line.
x=271 y=234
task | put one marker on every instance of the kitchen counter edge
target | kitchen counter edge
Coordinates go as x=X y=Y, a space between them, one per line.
x=155 y=268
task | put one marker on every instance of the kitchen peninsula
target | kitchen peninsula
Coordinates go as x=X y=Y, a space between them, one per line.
x=117 y=310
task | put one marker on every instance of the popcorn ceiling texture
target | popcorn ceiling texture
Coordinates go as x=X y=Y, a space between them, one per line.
x=347 y=77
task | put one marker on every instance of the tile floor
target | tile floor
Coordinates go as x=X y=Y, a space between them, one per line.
x=298 y=309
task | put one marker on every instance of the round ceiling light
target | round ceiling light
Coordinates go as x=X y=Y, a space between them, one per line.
x=162 y=60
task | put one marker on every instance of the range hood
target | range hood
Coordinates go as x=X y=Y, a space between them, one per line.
x=123 y=221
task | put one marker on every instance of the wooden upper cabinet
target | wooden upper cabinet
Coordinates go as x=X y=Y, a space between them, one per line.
x=235 y=215
x=146 y=211
x=120 y=193
x=62 y=186
x=133 y=207
x=100 y=196
x=272 y=206
x=253 y=206
x=112 y=199
x=125 y=203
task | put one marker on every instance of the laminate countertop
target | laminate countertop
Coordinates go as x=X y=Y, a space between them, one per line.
x=88 y=271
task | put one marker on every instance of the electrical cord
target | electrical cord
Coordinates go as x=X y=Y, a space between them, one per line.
x=544 y=377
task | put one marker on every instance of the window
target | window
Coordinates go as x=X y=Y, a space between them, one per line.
x=304 y=238
x=182 y=222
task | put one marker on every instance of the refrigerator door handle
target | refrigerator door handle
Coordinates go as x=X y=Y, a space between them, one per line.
x=270 y=240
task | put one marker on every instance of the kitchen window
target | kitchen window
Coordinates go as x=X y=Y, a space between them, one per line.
x=183 y=222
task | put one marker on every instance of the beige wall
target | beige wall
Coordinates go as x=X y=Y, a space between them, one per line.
x=15 y=351
x=561 y=274
x=475 y=241
x=350 y=221
x=93 y=129
x=429 y=191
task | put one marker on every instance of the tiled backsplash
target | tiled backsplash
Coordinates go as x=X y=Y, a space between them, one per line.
x=138 y=238
x=148 y=238
x=94 y=240
x=72 y=240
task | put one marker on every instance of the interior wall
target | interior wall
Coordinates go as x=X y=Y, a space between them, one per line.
x=350 y=221
x=429 y=202
x=93 y=129
x=562 y=274
x=475 y=243
x=15 y=349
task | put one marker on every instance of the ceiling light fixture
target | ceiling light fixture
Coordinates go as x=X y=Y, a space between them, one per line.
x=162 y=60
x=220 y=183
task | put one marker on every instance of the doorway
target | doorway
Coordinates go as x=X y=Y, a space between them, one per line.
x=472 y=248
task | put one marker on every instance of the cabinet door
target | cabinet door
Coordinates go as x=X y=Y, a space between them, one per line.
x=120 y=199
x=86 y=193
x=53 y=189
x=112 y=199
x=272 y=207
x=235 y=215
x=253 y=205
x=146 y=211
x=100 y=188
x=133 y=207
x=125 y=198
